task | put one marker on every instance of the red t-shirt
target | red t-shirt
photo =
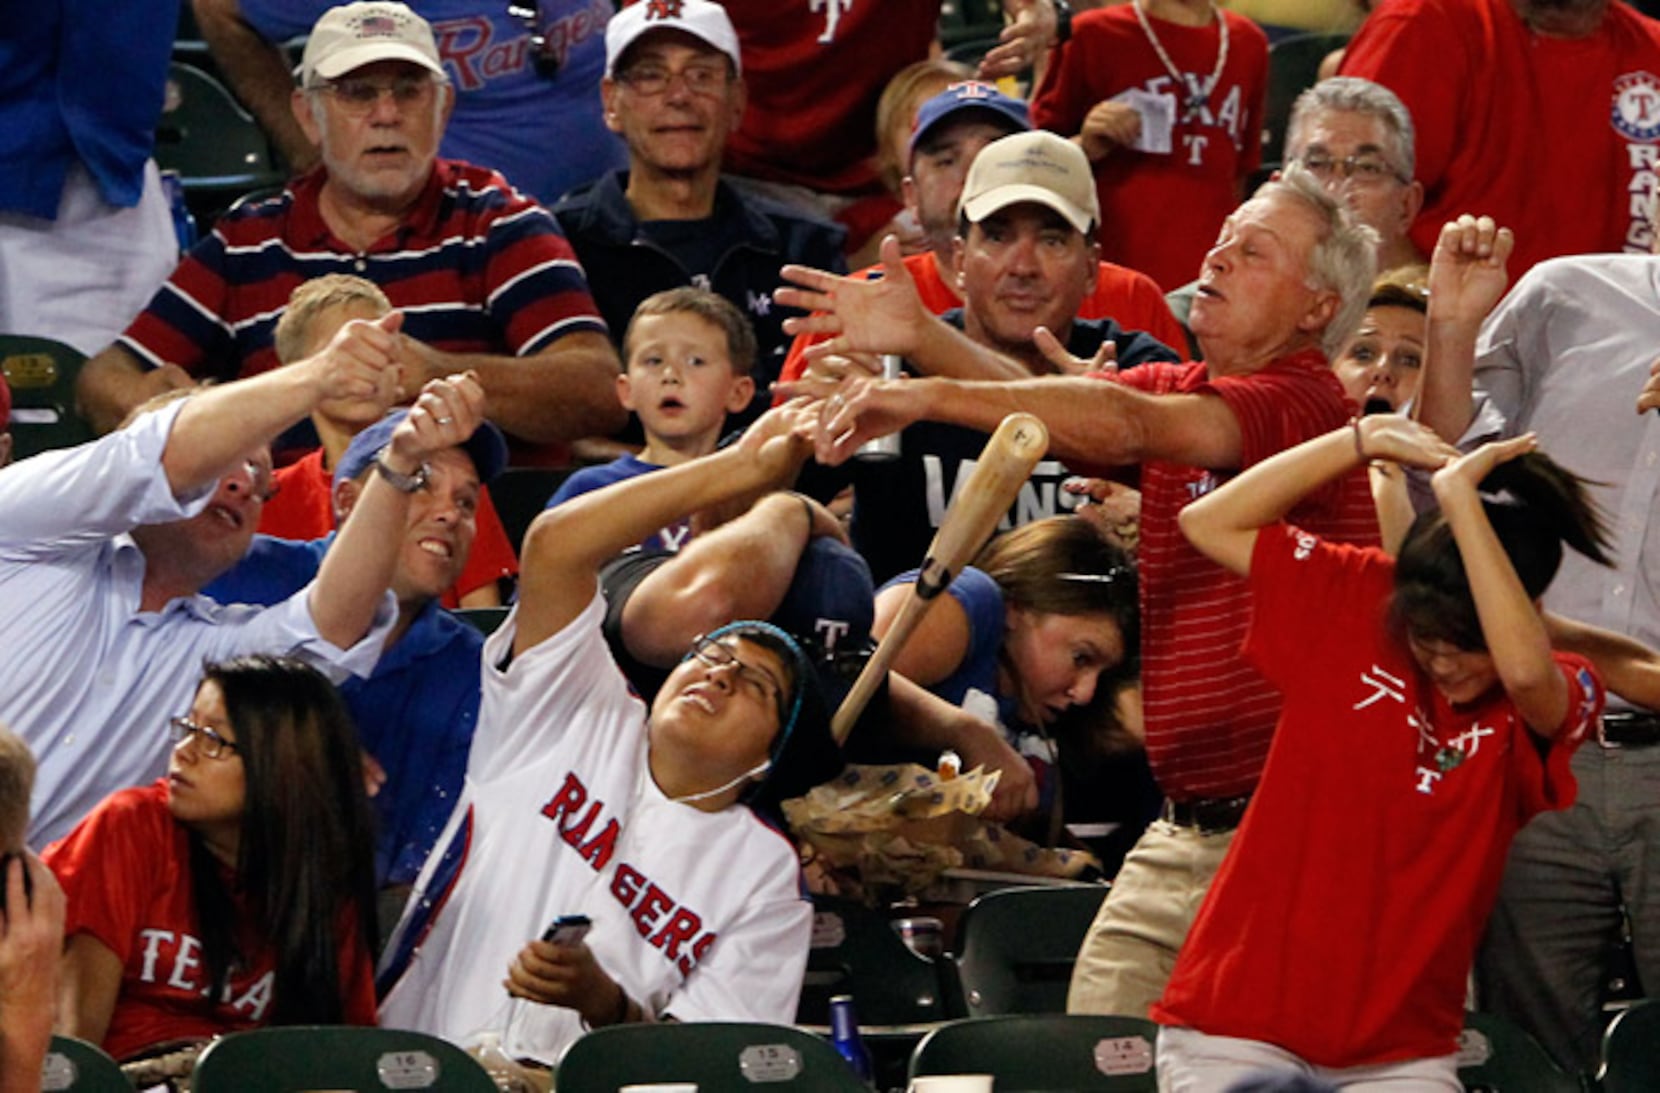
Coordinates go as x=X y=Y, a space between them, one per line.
x=1160 y=212
x=126 y=872
x=814 y=71
x=1210 y=715
x=1129 y=298
x=1554 y=137
x=304 y=509
x=1346 y=913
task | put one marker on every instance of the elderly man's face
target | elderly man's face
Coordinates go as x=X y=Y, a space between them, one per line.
x=1346 y=149
x=1254 y=294
x=673 y=101
x=1022 y=267
x=378 y=129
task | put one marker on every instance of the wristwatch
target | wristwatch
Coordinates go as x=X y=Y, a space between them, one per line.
x=403 y=483
x=1063 y=20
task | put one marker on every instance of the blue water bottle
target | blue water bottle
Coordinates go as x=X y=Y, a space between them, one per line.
x=844 y=1036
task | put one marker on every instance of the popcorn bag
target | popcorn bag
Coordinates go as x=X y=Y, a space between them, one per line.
x=879 y=833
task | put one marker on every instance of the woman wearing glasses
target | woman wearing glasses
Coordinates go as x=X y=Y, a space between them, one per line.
x=238 y=891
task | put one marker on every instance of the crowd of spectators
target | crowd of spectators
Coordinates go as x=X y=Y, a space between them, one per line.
x=1297 y=541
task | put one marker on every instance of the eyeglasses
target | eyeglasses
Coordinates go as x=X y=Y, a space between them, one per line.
x=650 y=79
x=356 y=96
x=718 y=655
x=1366 y=169
x=208 y=742
x=543 y=54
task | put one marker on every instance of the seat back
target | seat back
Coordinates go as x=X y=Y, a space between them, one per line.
x=486 y=620
x=1631 y=1050
x=75 y=1066
x=1029 y=1053
x=728 y=1056
x=520 y=494
x=1016 y=948
x=336 y=1057
x=1293 y=67
x=856 y=951
x=1496 y=1055
x=41 y=374
x=206 y=136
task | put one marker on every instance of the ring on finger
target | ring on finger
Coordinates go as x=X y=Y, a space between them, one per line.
x=444 y=420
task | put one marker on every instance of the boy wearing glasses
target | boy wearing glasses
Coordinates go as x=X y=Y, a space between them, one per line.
x=579 y=801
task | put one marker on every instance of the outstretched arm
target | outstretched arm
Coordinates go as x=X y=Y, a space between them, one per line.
x=885 y=315
x=358 y=568
x=1628 y=668
x=219 y=426
x=565 y=546
x=564 y=392
x=1510 y=623
x=1090 y=421
x=1467 y=277
x=1224 y=523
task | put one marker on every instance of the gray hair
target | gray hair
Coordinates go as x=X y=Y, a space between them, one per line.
x=1357 y=96
x=1345 y=259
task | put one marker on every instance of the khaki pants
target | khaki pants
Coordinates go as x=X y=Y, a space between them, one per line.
x=1130 y=950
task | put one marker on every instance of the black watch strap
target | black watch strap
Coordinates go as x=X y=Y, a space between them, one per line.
x=1063 y=21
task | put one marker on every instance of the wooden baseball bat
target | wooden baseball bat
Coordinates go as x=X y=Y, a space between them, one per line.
x=1004 y=464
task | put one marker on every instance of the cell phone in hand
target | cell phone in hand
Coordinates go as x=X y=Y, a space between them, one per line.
x=6 y=860
x=567 y=929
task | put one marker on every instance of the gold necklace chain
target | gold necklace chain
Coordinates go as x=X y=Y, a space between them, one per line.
x=1194 y=100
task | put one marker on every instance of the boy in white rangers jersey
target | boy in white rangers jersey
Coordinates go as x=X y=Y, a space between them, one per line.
x=577 y=803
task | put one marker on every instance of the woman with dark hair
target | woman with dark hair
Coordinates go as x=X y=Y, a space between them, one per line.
x=237 y=892
x=1426 y=719
x=1047 y=611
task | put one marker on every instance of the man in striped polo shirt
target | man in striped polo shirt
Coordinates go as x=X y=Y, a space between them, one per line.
x=1285 y=284
x=484 y=276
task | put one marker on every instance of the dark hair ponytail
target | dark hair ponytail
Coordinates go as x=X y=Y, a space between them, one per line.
x=1535 y=506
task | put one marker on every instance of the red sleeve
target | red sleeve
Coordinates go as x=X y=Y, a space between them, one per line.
x=1280 y=407
x=492 y=556
x=1547 y=781
x=1412 y=48
x=536 y=289
x=114 y=862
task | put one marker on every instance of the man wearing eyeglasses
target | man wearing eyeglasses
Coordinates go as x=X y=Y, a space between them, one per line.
x=523 y=72
x=1356 y=138
x=674 y=90
x=487 y=281
x=1544 y=114
x=104 y=549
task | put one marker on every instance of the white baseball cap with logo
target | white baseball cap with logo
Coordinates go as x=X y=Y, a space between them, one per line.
x=702 y=19
x=353 y=35
x=1037 y=166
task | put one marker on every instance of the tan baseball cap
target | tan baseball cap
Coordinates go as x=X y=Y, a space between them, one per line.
x=353 y=35
x=1037 y=166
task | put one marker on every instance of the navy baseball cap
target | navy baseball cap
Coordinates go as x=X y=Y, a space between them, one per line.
x=970 y=95
x=487 y=447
